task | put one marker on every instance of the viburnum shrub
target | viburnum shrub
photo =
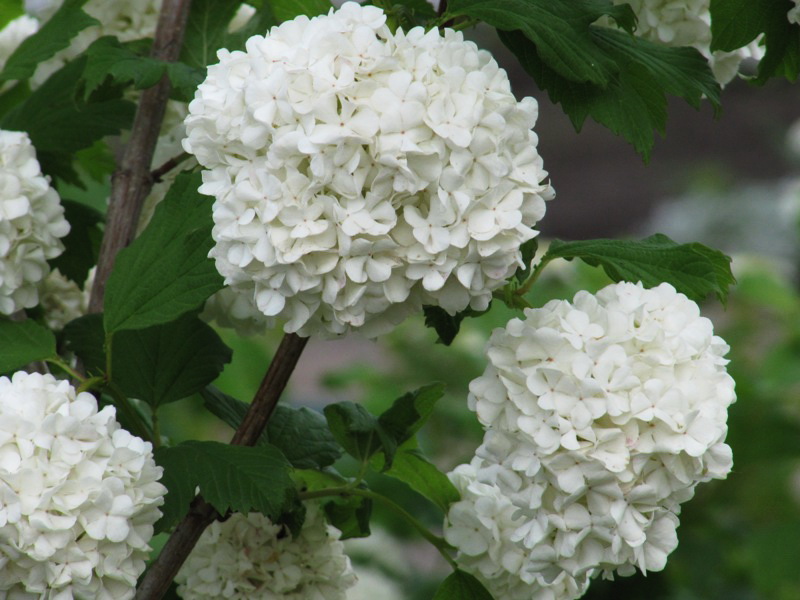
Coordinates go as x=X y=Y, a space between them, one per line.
x=332 y=171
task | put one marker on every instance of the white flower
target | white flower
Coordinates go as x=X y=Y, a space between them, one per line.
x=31 y=223
x=359 y=174
x=688 y=23
x=602 y=416
x=78 y=494
x=63 y=300
x=248 y=557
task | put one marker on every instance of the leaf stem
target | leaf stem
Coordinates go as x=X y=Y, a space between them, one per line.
x=158 y=173
x=132 y=416
x=537 y=270
x=62 y=364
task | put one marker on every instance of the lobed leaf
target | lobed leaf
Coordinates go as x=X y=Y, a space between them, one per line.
x=22 y=342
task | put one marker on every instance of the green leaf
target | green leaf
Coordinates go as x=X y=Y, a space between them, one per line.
x=166 y=271
x=559 y=29
x=634 y=103
x=446 y=325
x=285 y=10
x=167 y=362
x=85 y=338
x=59 y=124
x=358 y=431
x=349 y=514
x=13 y=96
x=236 y=478
x=54 y=35
x=693 y=269
x=22 y=342
x=461 y=586
x=10 y=10
x=528 y=250
x=82 y=243
x=410 y=466
x=409 y=412
x=301 y=434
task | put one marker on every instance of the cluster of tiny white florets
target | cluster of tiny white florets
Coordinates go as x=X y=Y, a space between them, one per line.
x=248 y=556
x=31 y=223
x=78 y=494
x=63 y=300
x=602 y=416
x=359 y=173
x=688 y=23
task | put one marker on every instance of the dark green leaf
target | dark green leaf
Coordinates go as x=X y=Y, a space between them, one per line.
x=207 y=31
x=54 y=35
x=85 y=338
x=528 y=250
x=22 y=342
x=237 y=478
x=82 y=243
x=560 y=31
x=10 y=10
x=350 y=515
x=225 y=407
x=461 y=586
x=284 y=10
x=167 y=362
x=409 y=412
x=166 y=271
x=357 y=431
x=446 y=325
x=13 y=96
x=411 y=467
x=692 y=269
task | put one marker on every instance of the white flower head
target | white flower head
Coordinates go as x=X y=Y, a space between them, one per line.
x=602 y=416
x=688 y=23
x=359 y=173
x=31 y=223
x=78 y=494
x=248 y=556
x=63 y=300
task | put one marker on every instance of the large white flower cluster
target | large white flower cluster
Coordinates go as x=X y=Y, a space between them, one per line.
x=78 y=494
x=602 y=416
x=359 y=173
x=688 y=23
x=248 y=556
x=31 y=223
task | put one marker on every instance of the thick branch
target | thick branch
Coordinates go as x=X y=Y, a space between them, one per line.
x=162 y=571
x=131 y=182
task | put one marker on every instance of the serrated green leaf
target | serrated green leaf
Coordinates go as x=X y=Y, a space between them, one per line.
x=461 y=586
x=107 y=57
x=167 y=362
x=22 y=342
x=560 y=31
x=446 y=325
x=166 y=271
x=410 y=412
x=59 y=124
x=410 y=466
x=285 y=10
x=358 y=431
x=81 y=244
x=54 y=35
x=85 y=338
x=693 y=269
x=236 y=478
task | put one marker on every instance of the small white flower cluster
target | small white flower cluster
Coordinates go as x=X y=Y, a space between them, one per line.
x=31 y=223
x=602 y=416
x=688 y=23
x=247 y=556
x=359 y=173
x=78 y=494
x=62 y=300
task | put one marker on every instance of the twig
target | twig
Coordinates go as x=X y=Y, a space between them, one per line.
x=157 y=174
x=131 y=182
x=162 y=571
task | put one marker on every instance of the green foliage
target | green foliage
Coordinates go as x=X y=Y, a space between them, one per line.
x=358 y=431
x=408 y=413
x=166 y=271
x=736 y=23
x=461 y=586
x=167 y=362
x=410 y=466
x=85 y=338
x=693 y=269
x=446 y=325
x=285 y=10
x=59 y=124
x=236 y=478
x=350 y=514
x=22 y=342
x=54 y=35
x=528 y=251
x=10 y=10
x=82 y=243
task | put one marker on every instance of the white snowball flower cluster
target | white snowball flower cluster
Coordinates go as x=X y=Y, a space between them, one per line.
x=688 y=23
x=359 y=173
x=602 y=417
x=248 y=557
x=31 y=223
x=78 y=494
x=62 y=300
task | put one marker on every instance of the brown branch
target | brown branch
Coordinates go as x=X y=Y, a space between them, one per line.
x=157 y=174
x=162 y=571
x=131 y=181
